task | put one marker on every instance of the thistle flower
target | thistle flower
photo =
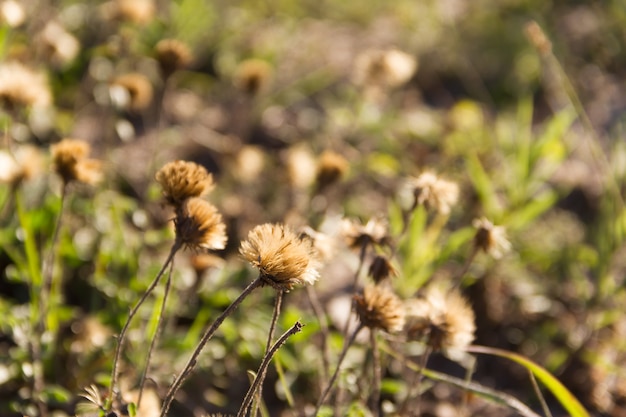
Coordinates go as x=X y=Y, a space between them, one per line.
x=323 y=244
x=71 y=163
x=23 y=165
x=301 y=166
x=384 y=68
x=282 y=258
x=381 y=269
x=132 y=91
x=379 y=308
x=181 y=180
x=172 y=55
x=138 y=11
x=444 y=319
x=252 y=76
x=199 y=225
x=358 y=235
x=434 y=193
x=490 y=239
x=60 y=46
x=22 y=86
x=330 y=168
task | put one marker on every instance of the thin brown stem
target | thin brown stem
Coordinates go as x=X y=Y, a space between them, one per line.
x=297 y=327
x=333 y=378
x=542 y=400
x=277 y=307
x=321 y=318
x=157 y=332
x=416 y=381
x=377 y=374
x=205 y=338
x=120 y=341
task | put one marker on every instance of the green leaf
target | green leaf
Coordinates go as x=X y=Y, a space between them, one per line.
x=566 y=398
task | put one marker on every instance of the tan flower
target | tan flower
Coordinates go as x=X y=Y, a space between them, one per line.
x=434 y=193
x=330 y=168
x=384 y=68
x=25 y=164
x=381 y=269
x=253 y=76
x=59 y=46
x=71 y=163
x=323 y=244
x=181 y=180
x=138 y=11
x=172 y=55
x=22 y=86
x=358 y=235
x=490 y=239
x=301 y=166
x=443 y=318
x=283 y=259
x=199 y=225
x=379 y=308
x=132 y=91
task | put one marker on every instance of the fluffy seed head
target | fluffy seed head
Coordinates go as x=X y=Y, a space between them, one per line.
x=253 y=76
x=434 y=193
x=22 y=86
x=381 y=269
x=181 y=180
x=283 y=259
x=358 y=235
x=490 y=239
x=70 y=162
x=25 y=163
x=132 y=91
x=330 y=168
x=443 y=318
x=379 y=308
x=384 y=68
x=199 y=225
x=172 y=55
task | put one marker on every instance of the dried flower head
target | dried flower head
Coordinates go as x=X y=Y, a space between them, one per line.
x=537 y=37
x=434 y=193
x=181 y=180
x=379 y=308
x=71 y=163
x=59 y=46
x=199 y=225
x=283 y=259
x=201 y=262
x=381 y=269
x=490 y=239
x=384 y=68
x=357 y=235
x=301 y=166
x=443 y=318
x=253 y=76
x=323 y=244
x=22 y=86
x=132 y=91
x=330 y=168
x=172 y=55
x=137 y=11
x=24 y=164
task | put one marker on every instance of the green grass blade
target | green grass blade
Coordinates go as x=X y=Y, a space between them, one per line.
x=566 y=398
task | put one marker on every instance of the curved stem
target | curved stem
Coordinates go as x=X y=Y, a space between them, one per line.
x=263 y=368
x=205 y=338
x=133 y=312
x=156 y=333
x=333 y=378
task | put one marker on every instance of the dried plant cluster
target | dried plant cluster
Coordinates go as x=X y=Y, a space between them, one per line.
x=422 y=202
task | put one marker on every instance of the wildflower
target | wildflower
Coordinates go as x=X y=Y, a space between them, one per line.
x=434 y=192
x=181 y=180
x=172 y=55
x=330 y=168
x=301 y=166
x=379 y=308
x=323 y=244
x=60 y=46
x=381 y=269
x=138 y=11
x=22 y=86
x=132 y=91
x=490 y=239
x=199 y=225
x=384 y=68
x=25 y=164
x=71 y=163
x=252 y=76
x=282 y=258
x=443 y=318
x=201 y=262
x=358 y=235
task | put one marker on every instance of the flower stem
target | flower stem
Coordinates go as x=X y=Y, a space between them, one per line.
x=205 y=338
x=377 y=374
